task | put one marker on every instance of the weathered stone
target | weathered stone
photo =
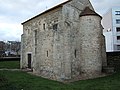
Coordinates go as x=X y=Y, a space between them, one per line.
x=62 y=44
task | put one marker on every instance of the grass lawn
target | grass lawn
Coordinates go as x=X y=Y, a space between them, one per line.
x=10 y=64
x=17 y=80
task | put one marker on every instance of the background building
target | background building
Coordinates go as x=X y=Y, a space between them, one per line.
x=111 y=25
x=13 y=47
x=10 y=48
x=2 y=48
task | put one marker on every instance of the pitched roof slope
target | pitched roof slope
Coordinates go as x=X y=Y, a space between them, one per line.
x=87 y=11
x=60 y=5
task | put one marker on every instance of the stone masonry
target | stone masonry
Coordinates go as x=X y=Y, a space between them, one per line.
x=64 y=42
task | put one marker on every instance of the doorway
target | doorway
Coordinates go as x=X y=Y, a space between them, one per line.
x=29 y=61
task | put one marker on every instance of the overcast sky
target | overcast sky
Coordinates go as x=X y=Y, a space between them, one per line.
x=14 y=12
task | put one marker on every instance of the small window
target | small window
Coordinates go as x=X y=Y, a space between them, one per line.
x=35 y=37
x=55 y=27
x=118 y=29
x=44 y=26
x=118 y=37
x=47 y=53
x=117 y=12
x=117 y=21
x=35 y=41
x=118 y=47
x=75 y=53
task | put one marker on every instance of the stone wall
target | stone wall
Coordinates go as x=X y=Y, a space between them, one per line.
x=57 y=40
x=43 y=42
x=50 y=43
x=113 y=60
x=91 y=45
x=71 y=19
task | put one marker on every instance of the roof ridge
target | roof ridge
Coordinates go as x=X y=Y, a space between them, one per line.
x=56 y=6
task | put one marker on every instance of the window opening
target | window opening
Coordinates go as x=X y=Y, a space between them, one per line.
x=44 y=26
x=117 y=21
x=117 y=12
x=47 y=53
x=75 y=53
x=55 y=27
x=118 y=29
x=118 y=37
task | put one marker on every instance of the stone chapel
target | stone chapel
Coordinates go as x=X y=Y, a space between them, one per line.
x=64 y=42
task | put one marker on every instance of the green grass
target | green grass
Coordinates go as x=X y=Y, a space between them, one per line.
x=17 y=80
x=9 y=64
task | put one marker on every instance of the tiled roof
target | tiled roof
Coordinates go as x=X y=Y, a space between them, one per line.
x=87 y=11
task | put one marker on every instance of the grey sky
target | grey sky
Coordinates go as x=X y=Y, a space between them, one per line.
x=14 y=12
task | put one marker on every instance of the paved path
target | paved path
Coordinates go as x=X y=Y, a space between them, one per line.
x=26 y=70
x=10 y=69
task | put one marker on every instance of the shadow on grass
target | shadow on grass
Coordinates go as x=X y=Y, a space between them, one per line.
x=5 y=84
x=10 y=64
x=17 y=80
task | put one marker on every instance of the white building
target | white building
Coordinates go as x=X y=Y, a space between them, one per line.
x=111 y=25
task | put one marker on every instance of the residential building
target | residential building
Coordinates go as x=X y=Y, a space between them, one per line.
x=2 y=48
x=111 y=25
x=10 y=48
